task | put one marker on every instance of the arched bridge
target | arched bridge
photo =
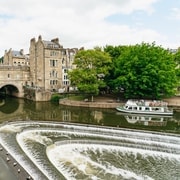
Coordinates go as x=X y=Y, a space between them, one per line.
x=12 y=80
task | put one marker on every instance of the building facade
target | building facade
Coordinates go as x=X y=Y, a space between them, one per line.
x=42 y=71
x=49 y=64
x=15 y=58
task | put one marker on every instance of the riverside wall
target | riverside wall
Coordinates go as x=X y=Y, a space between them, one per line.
x=173 y=102
x=106 y=104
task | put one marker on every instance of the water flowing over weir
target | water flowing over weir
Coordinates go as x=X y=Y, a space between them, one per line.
x=50 y=150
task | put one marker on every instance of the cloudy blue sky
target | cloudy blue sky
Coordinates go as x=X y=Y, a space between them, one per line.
x=89 y=23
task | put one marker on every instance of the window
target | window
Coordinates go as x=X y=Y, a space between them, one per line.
x=65 y=77
x=53 y=53
x=65 y=83
x=65 y=70
x=134 y=108
x=53 y=63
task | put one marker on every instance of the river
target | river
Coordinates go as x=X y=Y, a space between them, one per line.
x=13 y=109
x=59 y=142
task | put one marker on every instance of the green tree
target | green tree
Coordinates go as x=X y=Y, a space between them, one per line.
x=145 y=71
x=91 y=68
x=177 y=61
x=114 y=52
x=1 y=59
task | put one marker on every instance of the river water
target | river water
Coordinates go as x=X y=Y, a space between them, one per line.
x=58 y=142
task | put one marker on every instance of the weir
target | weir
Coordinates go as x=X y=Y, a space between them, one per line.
x=52 y=150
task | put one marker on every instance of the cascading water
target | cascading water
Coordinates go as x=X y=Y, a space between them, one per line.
x=50 y=150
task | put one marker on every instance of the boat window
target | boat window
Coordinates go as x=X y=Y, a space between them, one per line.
x=140 y=108
x=126 y=107
x=134 y=108
x=130 y=108
x=147 y=108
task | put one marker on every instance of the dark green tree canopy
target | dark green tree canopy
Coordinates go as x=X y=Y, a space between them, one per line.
x=1 y=59
x=145 y=70
x=91 y=67
x=177 y=61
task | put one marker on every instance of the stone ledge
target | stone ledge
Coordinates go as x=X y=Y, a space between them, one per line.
x=95 y=104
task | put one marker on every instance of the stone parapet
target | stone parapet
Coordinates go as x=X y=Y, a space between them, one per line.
x=106 y=104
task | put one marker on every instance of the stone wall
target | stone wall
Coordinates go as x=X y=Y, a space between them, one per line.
x=107 y=104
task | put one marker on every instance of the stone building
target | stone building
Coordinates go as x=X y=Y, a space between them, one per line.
x=14 y=72
x=36 y=75
x=49 y=64
x=15 y=58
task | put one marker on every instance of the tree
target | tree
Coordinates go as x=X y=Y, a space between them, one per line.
x=1 y=59
x=114 y=52
x=145 y=71
x=177 y=61
x=91 y=67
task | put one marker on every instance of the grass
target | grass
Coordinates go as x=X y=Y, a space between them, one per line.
x=77 y=98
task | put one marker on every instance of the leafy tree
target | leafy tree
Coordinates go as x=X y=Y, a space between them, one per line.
x=177 y=60
x=114 y=52
x=1 y=59
x=145 y=71
x=91 y=67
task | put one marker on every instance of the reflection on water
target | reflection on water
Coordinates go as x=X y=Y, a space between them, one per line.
x=18 y=109
x=47 y=141
x=147 y=120
x=8 y=106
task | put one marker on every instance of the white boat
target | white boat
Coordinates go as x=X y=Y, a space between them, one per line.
x=145 y=107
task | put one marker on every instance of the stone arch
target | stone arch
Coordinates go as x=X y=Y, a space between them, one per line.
x=9 y=89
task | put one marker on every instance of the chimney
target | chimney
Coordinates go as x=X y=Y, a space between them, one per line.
x=21 y=51
x=56 y=40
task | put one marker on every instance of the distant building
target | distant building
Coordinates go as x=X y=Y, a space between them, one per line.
x=15 y=58
x=49 y=64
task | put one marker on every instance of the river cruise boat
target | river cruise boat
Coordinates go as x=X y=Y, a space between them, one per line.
x=145 y=107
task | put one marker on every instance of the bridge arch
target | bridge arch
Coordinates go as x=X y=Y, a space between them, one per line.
x=9 y=89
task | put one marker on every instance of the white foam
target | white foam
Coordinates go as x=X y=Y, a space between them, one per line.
x=70 y=151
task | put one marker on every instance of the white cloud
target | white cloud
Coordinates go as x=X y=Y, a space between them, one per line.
x=76 y=23
x=175 y=13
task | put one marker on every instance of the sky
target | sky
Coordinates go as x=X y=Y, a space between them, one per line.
x=89 y=23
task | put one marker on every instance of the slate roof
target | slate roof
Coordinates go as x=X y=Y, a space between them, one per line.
x=17 y=54
x=50 y=44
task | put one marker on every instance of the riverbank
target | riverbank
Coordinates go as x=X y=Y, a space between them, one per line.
x=111 y=103
x=95 y=104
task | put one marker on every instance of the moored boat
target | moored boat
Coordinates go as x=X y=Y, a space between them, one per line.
x=145 y=107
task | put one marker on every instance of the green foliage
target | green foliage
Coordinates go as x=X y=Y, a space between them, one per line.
x=177 y=57
x=145 y=70
x=55 y=98
x=177 y=61
x=92 y=67
x=1 y=59
x=114 y=52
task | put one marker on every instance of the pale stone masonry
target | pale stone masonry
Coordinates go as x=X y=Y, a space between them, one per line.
x=49 y=63
x=37 y=74
x=16 y=58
